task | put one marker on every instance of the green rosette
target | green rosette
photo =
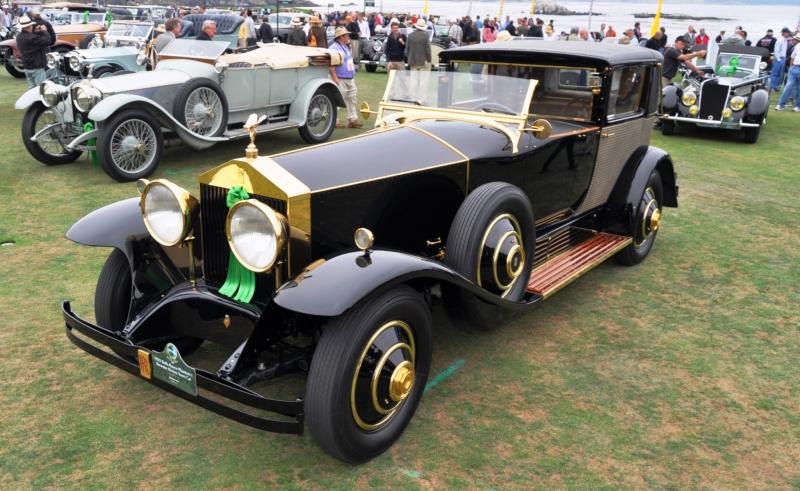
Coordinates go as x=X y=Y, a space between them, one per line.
x=240 y=284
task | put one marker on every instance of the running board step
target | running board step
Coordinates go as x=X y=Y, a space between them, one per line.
x=560 y=271
x=264 y=128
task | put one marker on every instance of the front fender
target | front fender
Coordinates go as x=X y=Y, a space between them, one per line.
x=110 y=106
x=338 y=283
x=669 y=98
x=299 y=109
x=113 y=225
x=759 y=102
x=27 y=99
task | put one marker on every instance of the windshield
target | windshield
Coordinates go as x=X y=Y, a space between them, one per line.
x=192 y=48
x=735 y=65
x=125 y=30
x=482 y=92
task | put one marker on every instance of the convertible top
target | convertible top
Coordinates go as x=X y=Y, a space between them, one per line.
x=281 y=56
x=555 y=52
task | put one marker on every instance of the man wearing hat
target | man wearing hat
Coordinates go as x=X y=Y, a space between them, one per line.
x=344 y=76
x=674 y=57
x=418 y=53
x=33 y=45
x=316 y=35
x=779 y=58
x=792 y=88
x=297 y=37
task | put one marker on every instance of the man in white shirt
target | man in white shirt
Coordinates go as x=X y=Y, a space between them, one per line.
x=792 y=88
x=455 y=33
x=363 y=26
x=779 y=61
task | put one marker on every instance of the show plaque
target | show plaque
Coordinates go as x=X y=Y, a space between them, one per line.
x=169 y=367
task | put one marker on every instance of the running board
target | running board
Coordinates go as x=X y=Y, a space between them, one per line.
x=265 y=128
x=561 y=270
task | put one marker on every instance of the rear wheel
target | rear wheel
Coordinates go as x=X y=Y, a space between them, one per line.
x=10 y=68
x=490 y=243
x=368 y=374
x=129 y=145
x=320 y=119
x=648 y=220
x=50 y=148
x=86 y=42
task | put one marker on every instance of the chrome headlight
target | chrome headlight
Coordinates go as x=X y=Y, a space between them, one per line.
x=52 y=93
x=256 y=234
x=377 y=46
x=75 y=64
x=220 y=67
x=53 y=59
x=737 y=103
x=86 y=97
x=167 y=210
x=3 y=31
x=689 y=98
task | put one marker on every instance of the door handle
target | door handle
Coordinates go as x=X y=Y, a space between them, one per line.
x=607 y=135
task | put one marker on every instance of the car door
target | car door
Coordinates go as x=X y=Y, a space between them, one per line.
x=239 y=86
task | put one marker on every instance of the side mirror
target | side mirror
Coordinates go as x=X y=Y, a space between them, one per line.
x=541 y=129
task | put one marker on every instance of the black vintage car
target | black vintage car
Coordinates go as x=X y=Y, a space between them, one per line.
x=492 y=185
x=733 y=94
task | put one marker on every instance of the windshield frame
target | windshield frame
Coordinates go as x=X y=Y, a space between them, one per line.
x=112 y=37
x=748 y=71
x=184 y=46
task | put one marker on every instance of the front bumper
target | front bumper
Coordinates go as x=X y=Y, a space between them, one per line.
x=731 y=125
x=205 y=380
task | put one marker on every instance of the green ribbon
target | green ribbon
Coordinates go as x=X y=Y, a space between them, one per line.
x=240 y=284
x=92 y=142
x=730 y=68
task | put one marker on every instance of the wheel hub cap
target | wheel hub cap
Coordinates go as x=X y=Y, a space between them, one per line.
x=131 y=144
x=200 y=111
x=402 y=381
x=655 y=219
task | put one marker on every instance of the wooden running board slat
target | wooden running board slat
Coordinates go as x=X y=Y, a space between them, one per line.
x=561 y=270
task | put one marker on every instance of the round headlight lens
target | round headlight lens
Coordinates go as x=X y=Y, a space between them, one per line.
x=727 y=113
x=52 y=60
x=694 y=110
x=166 y=210
x=256 y=234
x=220 y=66
x=75 y=64
x=689 y=98
x=86 y=97
x=737 y=103
x=52 y=93
x=377 y=46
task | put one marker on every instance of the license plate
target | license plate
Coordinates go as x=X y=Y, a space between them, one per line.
x=168 y=366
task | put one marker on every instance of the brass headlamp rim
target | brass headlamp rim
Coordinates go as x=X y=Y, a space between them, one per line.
x=278 y=222
x=186 y=201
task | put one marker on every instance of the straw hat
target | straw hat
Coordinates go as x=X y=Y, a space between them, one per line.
x=24 y=22
x=797 y=37
x=421 y=24
x=315 y=21
x=296 y=22
x=340 y=31
x=503 y=36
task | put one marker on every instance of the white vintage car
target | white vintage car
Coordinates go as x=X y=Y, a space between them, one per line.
x=197 y=92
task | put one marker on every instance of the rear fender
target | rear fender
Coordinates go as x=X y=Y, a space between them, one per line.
x=27 y=99
x=330 y=287
x=631 y=183
x=299 y=109
x=112 y=105
x=120 y=225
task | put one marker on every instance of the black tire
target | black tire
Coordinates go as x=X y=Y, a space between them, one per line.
x=117 y=73
x=467 y=250
x=339 y=358
x=112 y=157
x=193 y=86
x=29 y=121
x=112 y=300
x=644 y=235
x=104 y=71
x=84 y=43
x=10 y=68
x=751 y=134
x=371 y=68
x=323 y=106
x=667 y=127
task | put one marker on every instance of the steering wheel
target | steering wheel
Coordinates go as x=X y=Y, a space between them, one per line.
x=495 y=105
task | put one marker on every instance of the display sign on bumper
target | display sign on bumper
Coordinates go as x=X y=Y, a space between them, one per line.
x=168 y=371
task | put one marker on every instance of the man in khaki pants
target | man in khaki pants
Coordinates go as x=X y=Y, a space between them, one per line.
x=418 y=52
x=344 y=76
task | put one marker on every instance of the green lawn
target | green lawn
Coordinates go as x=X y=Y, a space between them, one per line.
x=680 y=372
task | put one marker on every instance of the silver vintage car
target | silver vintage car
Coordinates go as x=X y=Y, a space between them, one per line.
x=197 y=93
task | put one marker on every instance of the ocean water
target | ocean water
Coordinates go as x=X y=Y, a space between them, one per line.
x=755 y=19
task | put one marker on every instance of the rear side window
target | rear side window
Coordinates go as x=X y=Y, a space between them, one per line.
x=627 y=86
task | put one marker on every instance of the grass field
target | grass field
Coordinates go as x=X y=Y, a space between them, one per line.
x=679 y=373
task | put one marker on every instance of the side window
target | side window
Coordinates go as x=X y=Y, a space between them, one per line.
x=627 y=85
x=564 y=93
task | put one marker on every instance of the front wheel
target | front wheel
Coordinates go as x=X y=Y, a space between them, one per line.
x=751 y=134
x=368 y=374
x=667 y=127
x=201 y=106
x=10 y=68
x=648 y=220
x=50 y=147
x=371 y=68
x=320 y=119
x=130 y=145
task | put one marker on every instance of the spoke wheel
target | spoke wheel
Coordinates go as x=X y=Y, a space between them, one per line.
x=130 y=145
x=368 y=374
x=51 y=147
x=320 y=118
x=201 y=107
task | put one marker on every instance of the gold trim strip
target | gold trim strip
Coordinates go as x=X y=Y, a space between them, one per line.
x=590 y=129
